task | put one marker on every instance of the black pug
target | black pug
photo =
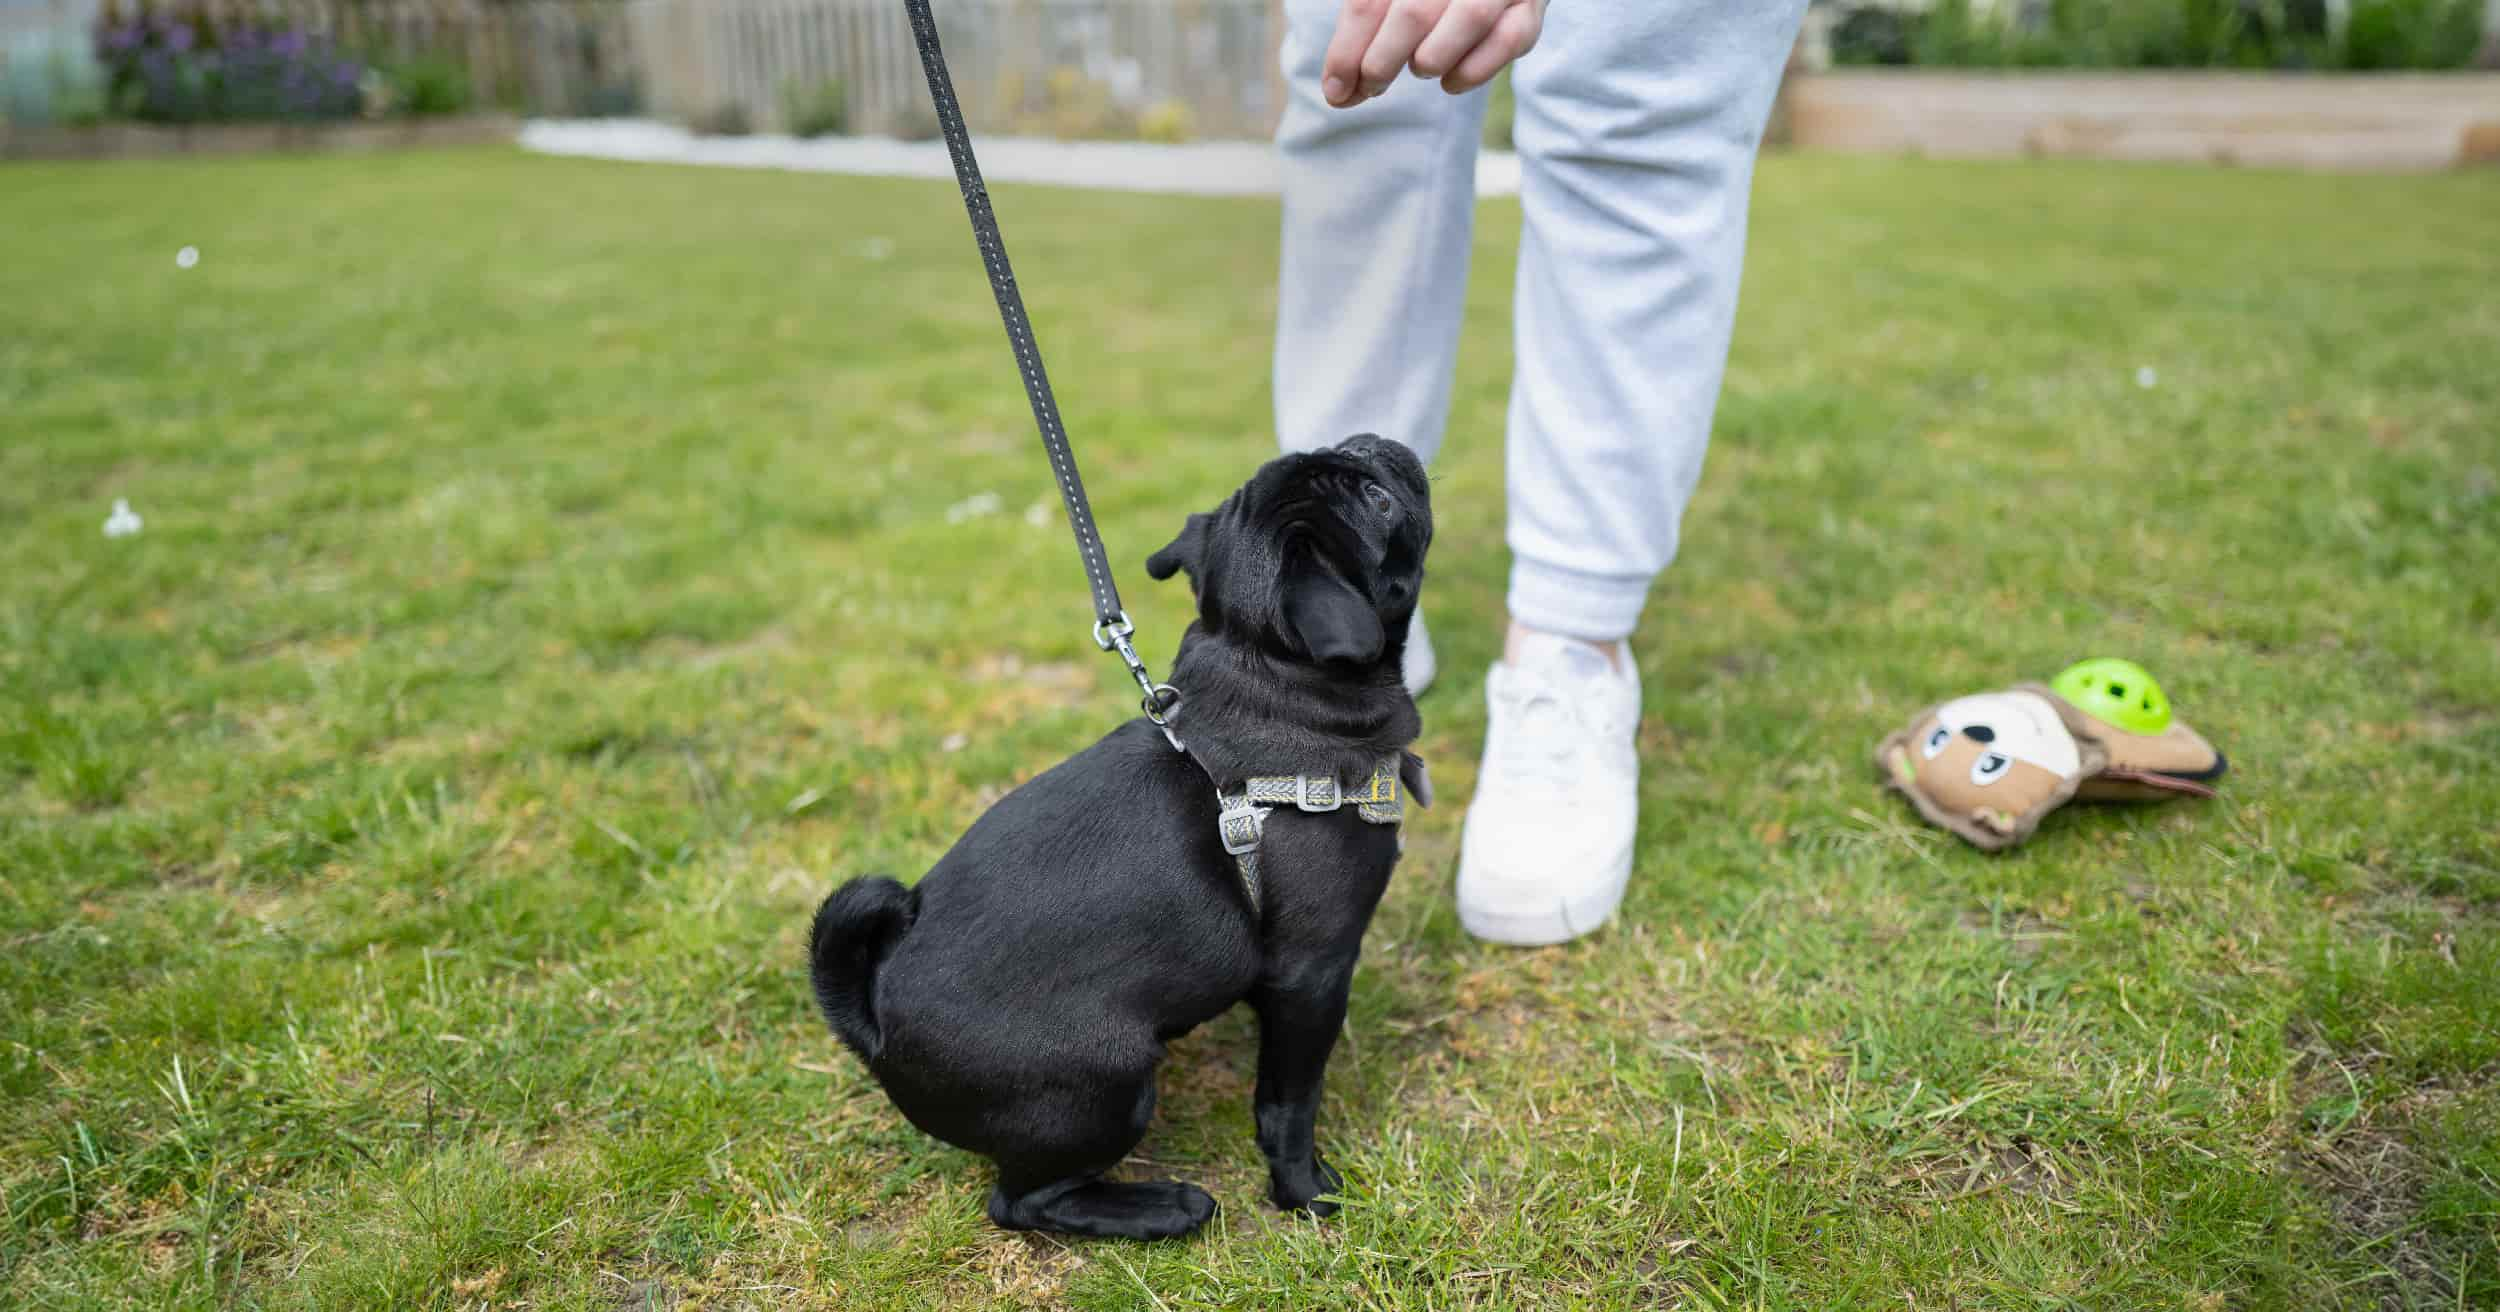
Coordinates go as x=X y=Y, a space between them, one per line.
x=1017 y=1001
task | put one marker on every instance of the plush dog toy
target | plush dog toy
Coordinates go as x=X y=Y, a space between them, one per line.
x=1990 y=765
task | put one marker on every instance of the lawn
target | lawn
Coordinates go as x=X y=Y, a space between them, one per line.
x=557 y=575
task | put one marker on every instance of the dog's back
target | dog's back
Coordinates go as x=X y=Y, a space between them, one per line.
x=1086 y=917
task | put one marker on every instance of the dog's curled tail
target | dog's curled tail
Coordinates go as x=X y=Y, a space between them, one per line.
x=855 y=929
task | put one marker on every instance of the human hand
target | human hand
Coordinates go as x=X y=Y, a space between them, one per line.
x=1462 y=42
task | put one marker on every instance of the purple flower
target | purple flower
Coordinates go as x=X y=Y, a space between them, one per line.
x=168 y=68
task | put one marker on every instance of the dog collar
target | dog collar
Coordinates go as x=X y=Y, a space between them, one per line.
x=1244 y=817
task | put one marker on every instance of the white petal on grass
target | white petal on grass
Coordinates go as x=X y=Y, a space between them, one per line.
x=955 y=742
x=973 y=507
x=186 y=257
x=123 y=522
x=1038 y=514
x=2145 y=377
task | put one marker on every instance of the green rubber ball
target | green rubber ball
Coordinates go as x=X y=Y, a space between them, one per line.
x=2117 y=692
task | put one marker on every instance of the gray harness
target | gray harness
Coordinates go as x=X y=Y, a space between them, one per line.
x=1244 y=818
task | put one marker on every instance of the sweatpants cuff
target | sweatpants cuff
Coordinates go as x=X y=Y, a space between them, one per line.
x=1591 y=607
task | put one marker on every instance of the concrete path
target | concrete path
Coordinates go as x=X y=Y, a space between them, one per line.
x=1215 y=168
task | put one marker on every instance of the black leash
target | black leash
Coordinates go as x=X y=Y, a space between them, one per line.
x=1111 y=623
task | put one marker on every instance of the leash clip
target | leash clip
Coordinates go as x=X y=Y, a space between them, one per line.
x=1157 y=700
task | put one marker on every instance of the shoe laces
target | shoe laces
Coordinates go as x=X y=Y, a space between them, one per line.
x=1545 y=735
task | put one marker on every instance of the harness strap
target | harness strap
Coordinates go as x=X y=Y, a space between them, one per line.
x=1243 y=820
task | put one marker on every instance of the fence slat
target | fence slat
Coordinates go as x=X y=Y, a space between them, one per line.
x=1121 y=58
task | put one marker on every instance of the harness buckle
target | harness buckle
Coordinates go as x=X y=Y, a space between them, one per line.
x=1239 y=826
x=1323 y=798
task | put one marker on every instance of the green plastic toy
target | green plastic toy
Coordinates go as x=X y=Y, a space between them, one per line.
x=2119 y=692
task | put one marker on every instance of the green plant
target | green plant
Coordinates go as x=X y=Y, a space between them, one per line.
x=180 y=64
x=428 y=86
x=77 y=94
x=2162 y=34
x=610 y=98
x=918 y=122
x=1874 y=34
x=727 y=119
x=2390 y=34
x=1081 y=108
x=1167 y=121
x=816 y=109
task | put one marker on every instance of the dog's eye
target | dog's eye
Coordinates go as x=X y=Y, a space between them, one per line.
x=1380 y=499
x=1936 y=739
x=1990 y=767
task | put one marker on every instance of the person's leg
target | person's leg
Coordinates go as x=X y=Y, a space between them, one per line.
x=1637 y=125
x=1379 y=211
x=1380 y=204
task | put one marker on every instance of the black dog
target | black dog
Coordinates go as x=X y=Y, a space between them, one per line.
x=1017 y=1002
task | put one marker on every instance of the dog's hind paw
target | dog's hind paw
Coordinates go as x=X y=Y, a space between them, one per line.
x=1154 y=1209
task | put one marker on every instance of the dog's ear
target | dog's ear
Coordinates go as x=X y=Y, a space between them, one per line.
x=1418 y=781
x=1327 y=618
x=1182 y=553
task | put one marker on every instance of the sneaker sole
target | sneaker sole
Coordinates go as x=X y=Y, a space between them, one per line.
x=1562 y=920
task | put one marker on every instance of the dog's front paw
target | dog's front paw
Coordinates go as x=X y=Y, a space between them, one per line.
x=1299 y=1190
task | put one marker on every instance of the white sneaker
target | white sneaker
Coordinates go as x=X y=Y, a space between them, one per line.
x=1548 y=842
x=1419 y=666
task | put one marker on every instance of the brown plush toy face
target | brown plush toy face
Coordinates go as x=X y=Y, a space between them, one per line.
x=1989 y=764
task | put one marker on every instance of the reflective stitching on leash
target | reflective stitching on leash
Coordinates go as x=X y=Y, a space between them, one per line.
x=1108 y=614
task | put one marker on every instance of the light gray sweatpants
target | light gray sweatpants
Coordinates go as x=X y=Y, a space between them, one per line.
x=1637 y=122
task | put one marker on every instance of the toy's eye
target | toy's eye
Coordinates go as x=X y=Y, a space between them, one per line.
x=1380 y=499
x=1936 y=739
x=1990 y=767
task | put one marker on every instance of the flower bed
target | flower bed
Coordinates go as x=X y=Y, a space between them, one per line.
x=170 y=67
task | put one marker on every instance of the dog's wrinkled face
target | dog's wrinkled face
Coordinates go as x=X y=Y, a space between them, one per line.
x=1318 y=558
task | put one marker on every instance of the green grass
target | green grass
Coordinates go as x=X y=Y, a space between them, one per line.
x=547 y=594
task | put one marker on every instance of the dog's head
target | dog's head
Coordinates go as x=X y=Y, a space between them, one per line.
x=1318 y=558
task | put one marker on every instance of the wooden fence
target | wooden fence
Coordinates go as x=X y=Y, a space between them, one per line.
x=548 y=56
x=1064 y=67
x=1058 y=67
